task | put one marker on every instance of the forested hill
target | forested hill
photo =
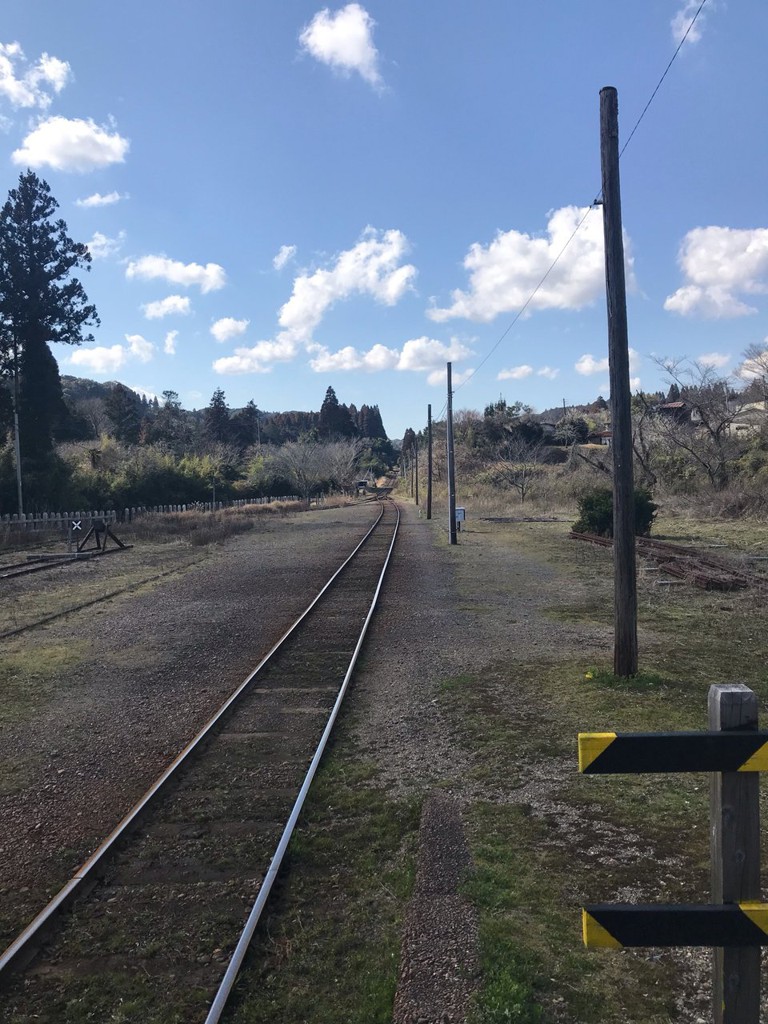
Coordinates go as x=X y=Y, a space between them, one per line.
x=95 y=408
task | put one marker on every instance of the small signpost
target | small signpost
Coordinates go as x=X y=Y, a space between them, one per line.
x=735 y=924
x=461 y=515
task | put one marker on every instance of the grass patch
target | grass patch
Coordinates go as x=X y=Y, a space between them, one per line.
x=328 y=950
x=29 y=677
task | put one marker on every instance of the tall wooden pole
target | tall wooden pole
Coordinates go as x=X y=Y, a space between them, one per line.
x=735 y=847
x=429 y=462
x=451 y=469
x=416 y=469
x=624 y=567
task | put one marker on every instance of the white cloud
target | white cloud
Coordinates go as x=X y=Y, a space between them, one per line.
x=344 y=41
x=144 y=392
x=372 y=267
x=634 y=384
x=418 y=355
x=682 y=20
x=172 y=305
x=437 y=378
x=549 y=372
x=515 y=373
x=71 y=145
x=140 y=348
x=227 y=328
x=587 y=365
x=504 y=274
x=720 y=264
x=31 y=87
x=209 y=278
x=285 y=255
x=101 y=247
x=97 y=199
x=99 y=359
x=259 y=359
x=169 y=345
x=714 y=359
x=103 y=360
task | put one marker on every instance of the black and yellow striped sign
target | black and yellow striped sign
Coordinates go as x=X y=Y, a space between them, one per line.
x=615 y=925
x=611 y=753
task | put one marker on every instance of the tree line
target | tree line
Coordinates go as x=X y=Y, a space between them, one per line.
x=74 y=442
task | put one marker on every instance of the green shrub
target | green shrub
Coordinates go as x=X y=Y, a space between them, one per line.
x=596 y=512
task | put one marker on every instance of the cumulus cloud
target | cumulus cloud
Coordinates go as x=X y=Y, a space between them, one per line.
x=228 y=327
x=101 y=247
x=372 y=267
x=720 y=264
x=504 y=274
x=30 y=86
x=344 y=41
x=587 y=365
x=418 y=355
x=285 y=255
x=549 y=372
x=71 y=145
x=99 y=359
x=714 y=359
x=107 y=360
x=260 y=357
x=209 y=278
x=515 y=373
x=169 y=306
x=682 y=20
x=97 y=199
x=169 y=345
x=438 y=379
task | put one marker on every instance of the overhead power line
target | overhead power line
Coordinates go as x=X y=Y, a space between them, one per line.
x=595 y=202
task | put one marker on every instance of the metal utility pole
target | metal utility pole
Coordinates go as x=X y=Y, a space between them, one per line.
x=624 y=566
x=451 y=467
x=429 y=462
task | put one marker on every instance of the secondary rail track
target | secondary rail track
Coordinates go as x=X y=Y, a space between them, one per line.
x=161 y=915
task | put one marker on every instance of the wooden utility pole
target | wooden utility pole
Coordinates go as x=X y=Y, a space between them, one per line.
x=735 y=849
x=624 y=566
x=416 y=469
x=451 y=469
x=429 y=462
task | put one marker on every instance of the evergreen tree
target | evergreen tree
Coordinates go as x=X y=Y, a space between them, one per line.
x=216 y=423
x=40 y=303
x=245 y=425
x=335 y=420
x=123 y=407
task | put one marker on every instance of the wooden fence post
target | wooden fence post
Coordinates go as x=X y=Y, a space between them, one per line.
x=735 y=848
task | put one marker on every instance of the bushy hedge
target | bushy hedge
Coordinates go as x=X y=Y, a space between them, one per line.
x=596 y=512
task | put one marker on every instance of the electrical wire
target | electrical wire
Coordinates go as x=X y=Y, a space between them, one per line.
x=596 y=202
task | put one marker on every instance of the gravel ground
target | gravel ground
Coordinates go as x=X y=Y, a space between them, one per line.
x=156 y=664
x=149 y=668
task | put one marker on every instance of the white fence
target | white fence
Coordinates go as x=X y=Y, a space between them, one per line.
x=61 y=520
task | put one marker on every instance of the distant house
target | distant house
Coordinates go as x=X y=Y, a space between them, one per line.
x=603 y=437
x=679 y=411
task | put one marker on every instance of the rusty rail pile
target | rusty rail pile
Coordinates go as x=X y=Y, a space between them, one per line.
x=702 y=570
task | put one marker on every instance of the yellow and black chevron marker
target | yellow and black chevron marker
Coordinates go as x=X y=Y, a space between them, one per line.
x=611 y=753
x=615 y=925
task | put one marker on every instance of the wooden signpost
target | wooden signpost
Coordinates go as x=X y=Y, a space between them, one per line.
x=735 y=923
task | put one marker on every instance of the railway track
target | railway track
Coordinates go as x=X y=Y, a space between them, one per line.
x=154 y=927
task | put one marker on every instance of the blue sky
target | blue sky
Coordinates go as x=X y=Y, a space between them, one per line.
x=280 y=196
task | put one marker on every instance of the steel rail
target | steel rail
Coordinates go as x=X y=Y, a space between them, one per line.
x=22 y=947
x=225 y=989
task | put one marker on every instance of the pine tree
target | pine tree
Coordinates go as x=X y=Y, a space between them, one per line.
x=40 y=303
x=216 y=422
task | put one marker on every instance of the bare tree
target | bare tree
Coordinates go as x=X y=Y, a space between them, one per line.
x=517 y=462
x=706 y=436
x=341 y=458
x=304 y=463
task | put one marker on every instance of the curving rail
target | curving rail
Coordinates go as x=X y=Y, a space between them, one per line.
x=301 y=663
